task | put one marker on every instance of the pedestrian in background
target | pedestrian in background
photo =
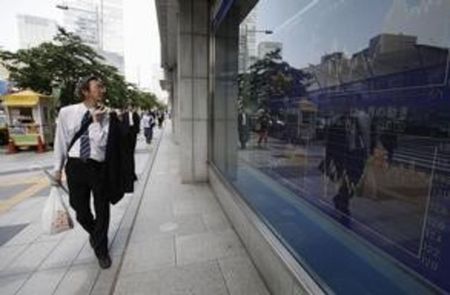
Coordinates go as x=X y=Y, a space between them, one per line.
x=148 y=122
x=131 y=128
x=160 y=119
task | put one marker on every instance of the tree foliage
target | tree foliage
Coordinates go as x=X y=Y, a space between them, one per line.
x=268 y=78
x=145 y=100
x=61 y=63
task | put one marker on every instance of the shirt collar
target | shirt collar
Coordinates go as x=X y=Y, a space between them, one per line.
x=84 y=108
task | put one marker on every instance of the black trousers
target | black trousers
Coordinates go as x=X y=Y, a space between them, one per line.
x=84 y=178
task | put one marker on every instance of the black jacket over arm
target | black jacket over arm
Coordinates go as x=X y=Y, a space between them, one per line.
x=114 y=159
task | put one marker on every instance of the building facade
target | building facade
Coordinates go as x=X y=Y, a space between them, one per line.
x=247 y=41
x=34 y=30
x=332 y=159
x=83 y=17
x=99 y=23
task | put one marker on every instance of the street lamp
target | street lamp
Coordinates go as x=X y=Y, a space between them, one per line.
x=267 y=32
x=99 y=21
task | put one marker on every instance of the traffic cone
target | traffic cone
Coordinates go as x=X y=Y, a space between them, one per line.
x=40 y=145
x=11 y=147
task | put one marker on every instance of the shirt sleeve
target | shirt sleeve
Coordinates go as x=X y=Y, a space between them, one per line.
x=60 y=144
x=99 y=132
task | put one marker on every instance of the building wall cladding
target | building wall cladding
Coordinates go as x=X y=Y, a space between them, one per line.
x=192 y=84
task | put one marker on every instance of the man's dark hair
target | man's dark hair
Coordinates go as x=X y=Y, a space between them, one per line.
x=83 y=85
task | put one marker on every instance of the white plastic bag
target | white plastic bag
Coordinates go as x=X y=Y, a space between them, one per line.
x=55 y=217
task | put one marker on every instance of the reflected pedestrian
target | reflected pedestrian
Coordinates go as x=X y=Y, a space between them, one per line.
x=243 y=128
x=264 y=123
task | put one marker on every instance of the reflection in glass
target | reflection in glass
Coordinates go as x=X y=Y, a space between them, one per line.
x=347 y=105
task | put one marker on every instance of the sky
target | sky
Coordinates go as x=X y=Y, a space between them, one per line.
x=141 y=35
x=309 y=29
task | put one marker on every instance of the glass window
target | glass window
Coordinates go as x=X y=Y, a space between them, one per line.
x=332 y=119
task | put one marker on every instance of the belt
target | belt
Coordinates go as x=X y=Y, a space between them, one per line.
x=86 y=161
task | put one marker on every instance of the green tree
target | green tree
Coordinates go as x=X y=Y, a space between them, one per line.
x=270 y=77
x=144 y=100
x=61 y=64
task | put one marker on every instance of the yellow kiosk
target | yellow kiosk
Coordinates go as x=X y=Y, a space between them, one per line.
x=30 y=118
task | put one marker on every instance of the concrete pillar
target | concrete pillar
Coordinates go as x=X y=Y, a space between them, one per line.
x=192 y=88
x=176 y=107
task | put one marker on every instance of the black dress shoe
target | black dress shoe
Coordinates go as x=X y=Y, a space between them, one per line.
x=104 y=261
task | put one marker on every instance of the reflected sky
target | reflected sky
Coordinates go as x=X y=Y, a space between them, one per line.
x=310 y=29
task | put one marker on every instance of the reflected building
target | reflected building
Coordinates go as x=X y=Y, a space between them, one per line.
x=386 y=54
x=353 y=182
x=247 y=42
x=268 y=47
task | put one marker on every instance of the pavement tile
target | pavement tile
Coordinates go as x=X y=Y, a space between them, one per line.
x=49 y=238
x=241 y=276
x=154 y=210
x=26 y=236
x=66 y=251
x=30 y=259
x=7 y=232
x=118 y=241
x=153 y=254
x=78 y=280
x=42 y=282
x=86 y=255
x=181 y=225
x=207 y=246
x=106 y=277
x=196 y=205
x=8 y=254
x=11 y=284
x=31 y=212
x=199 y=279
x=216 y=221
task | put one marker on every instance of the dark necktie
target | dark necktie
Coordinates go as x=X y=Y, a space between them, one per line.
x=85 y=148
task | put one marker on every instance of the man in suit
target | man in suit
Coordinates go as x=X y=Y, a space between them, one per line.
x=131 y=122
x=243 y=128
x=84 y=133
x=131 y=119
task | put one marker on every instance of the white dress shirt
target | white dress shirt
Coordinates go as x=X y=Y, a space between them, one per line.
x=68 y=123
x=130 y=118
x=146 y=121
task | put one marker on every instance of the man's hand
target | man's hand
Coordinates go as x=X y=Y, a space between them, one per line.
x=98 y=114
x=57 y=177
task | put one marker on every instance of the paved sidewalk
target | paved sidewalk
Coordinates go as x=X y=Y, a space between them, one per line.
x=34 y=263
x=168 y=238
x=181 y=241
x=24 y=161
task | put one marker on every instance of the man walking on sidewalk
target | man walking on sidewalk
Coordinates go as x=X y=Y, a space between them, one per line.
x=81 y=138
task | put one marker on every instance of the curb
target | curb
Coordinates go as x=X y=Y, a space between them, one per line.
x=106 y=281
x=23 y=170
